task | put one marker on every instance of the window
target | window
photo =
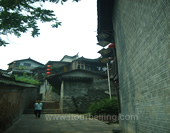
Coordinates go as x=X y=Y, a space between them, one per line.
x=87 y=68
x=78 y=66
x=27 y=64
x=17 y=64
x=81 y=65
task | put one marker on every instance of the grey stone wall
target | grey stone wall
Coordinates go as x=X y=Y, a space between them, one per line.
x=13 y=101
x=78 y=95
x=141 y=30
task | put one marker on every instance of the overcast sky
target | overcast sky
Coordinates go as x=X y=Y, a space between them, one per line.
x=76 y=34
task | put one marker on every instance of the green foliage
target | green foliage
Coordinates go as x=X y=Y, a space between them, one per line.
x=104 y=106
x=27 y=79
x=19 y=16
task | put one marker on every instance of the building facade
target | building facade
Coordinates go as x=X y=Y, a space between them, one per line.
x=68 y=63
x=24 y=65
x=77 y=83
x=140 y=30
x=80 y=88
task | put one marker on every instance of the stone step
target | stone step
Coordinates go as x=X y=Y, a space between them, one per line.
x=51 y=111
x=44 y=111
x=50 y=104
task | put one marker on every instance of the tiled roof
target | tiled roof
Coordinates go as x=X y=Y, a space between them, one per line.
x=25 y=60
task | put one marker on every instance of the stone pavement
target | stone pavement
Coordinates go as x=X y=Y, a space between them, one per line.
x=59 y=123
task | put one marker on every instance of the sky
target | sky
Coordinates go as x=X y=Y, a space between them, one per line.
x=77 y=34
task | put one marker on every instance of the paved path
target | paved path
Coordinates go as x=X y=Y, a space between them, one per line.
x=59 y=123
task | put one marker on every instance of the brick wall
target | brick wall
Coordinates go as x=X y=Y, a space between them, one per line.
x=141 y=30
x=13 y=101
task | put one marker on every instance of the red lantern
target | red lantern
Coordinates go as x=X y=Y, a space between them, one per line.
x=48 y=65
x=48 y=73
x=112 y=45
x=48 y=69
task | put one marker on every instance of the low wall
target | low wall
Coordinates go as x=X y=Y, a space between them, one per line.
x=14 y=98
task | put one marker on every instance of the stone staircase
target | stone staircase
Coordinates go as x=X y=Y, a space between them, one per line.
x=49 y=107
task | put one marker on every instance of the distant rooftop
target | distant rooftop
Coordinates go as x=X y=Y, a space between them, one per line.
x=67 y=58
x=26 y=60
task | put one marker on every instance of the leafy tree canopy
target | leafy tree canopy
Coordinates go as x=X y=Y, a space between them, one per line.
x=19 y=16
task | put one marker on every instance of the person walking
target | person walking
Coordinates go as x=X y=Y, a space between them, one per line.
x=37 y=108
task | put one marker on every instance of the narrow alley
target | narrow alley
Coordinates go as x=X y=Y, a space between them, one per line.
x=59 y=123
x=108 y=58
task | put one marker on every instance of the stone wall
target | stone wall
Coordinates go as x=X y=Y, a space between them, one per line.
x=13 y=101
x=76 y=96
x=141 y=30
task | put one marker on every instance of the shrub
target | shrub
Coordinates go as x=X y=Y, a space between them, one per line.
x=104 y=106
x=27 y=79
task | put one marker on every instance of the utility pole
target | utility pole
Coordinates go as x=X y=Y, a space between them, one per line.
x=108 y=75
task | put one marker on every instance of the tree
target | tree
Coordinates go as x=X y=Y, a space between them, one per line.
x=19 y=16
